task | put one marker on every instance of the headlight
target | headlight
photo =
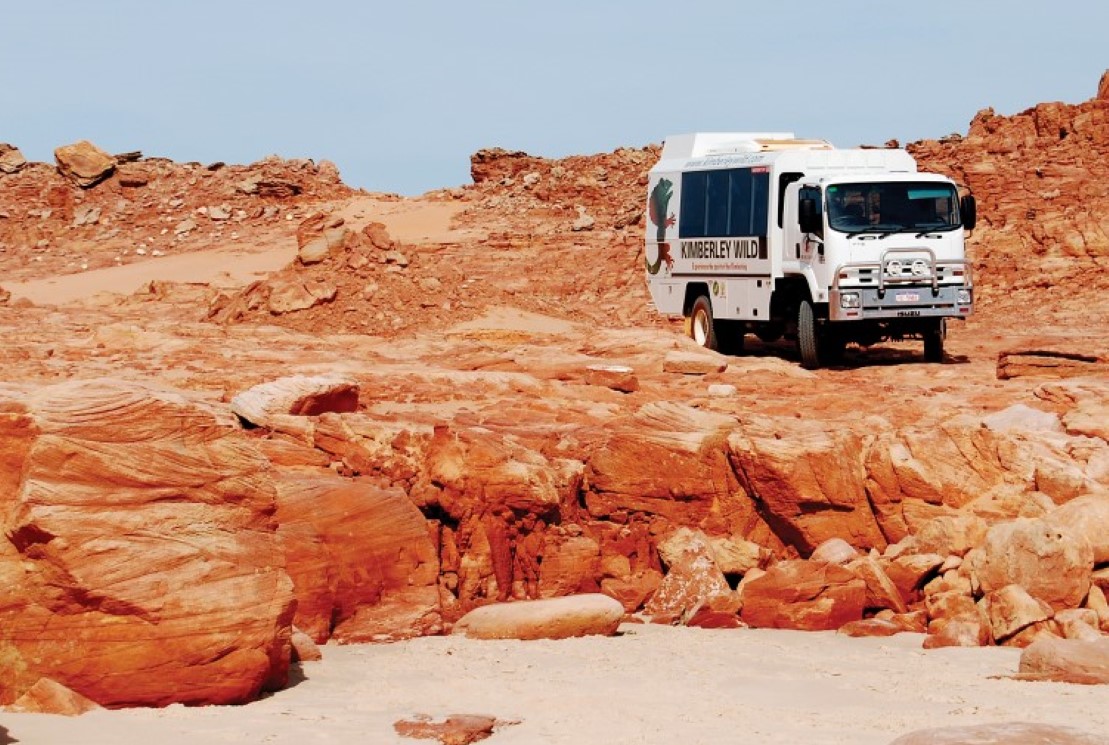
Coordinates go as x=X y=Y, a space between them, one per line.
x=920 y=268
x=893 y=267
x=962 y=297
x=849 y=300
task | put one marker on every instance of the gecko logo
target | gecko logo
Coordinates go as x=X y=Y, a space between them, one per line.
x=657 y=205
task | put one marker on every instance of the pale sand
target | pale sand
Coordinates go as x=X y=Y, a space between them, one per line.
x=652 y=684
x=406 y=221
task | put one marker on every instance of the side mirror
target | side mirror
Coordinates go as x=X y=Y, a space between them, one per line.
x=969 y=210
x=807 y=216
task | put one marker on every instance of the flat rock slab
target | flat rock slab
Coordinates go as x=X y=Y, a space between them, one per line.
x=1049 y=361
x=693 y=363
x=616 y=377
x=1004 y=733
x=552 y=618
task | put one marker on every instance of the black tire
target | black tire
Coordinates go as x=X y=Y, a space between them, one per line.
x=933 y=342
x=808 y=336
x=702 y=328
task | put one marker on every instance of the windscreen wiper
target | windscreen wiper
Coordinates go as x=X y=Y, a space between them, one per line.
x=929 y=231
x=879 y=232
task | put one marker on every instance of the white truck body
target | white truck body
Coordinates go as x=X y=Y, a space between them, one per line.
x=882 y=257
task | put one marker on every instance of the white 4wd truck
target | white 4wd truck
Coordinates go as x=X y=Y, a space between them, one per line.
x=763 y=233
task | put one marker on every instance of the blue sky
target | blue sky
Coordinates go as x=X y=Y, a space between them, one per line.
x=399 y=94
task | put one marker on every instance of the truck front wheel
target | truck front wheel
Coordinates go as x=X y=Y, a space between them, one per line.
x=808 y=336
x=933 y=341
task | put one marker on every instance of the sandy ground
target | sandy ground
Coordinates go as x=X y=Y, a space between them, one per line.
x=650 y=684
x=407 y=221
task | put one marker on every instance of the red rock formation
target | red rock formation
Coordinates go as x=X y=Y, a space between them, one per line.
x=364 y=563
x=140 y=563
x=804 y=595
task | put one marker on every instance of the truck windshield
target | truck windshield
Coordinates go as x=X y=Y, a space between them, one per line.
x=893 y=207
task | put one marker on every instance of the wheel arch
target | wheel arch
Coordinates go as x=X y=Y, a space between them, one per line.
x=693 y=290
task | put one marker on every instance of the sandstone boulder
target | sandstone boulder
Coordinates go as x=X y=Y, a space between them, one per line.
x=297 y=395
x=834 y=551
x=693 y=363
x=1078 y=623
x=693 y=579
x=870 y=627
x=84 y=163
x=1088 y=517
x=951 y=535
x=881 y=592
x=1050 y=564
x=962 y=631
x=1066 y=660
x=617 y=377
x=139 y=563
x=1012 y=609
x=457 y=729
x=804 y=595
x=49 y=697
x=11 y=160
x=552 y=618
x=318 y=236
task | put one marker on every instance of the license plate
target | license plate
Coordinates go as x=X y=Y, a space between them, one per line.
x=908 y=297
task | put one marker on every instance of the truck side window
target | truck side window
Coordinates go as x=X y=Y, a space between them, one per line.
x=813 y=193
x=783 y=181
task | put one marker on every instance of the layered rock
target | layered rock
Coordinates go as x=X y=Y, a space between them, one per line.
x=140 y=563
x=364 y=563
x=84 y=163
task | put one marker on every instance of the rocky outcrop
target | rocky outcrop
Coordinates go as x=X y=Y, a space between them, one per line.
x=1038 y=176
x=363 y=561
x=84 y=163
x=11 y=160
x=140 y=563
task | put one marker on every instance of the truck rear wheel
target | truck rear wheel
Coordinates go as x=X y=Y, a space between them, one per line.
x=701 y=326
x=808 y=336
x=933 y=341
